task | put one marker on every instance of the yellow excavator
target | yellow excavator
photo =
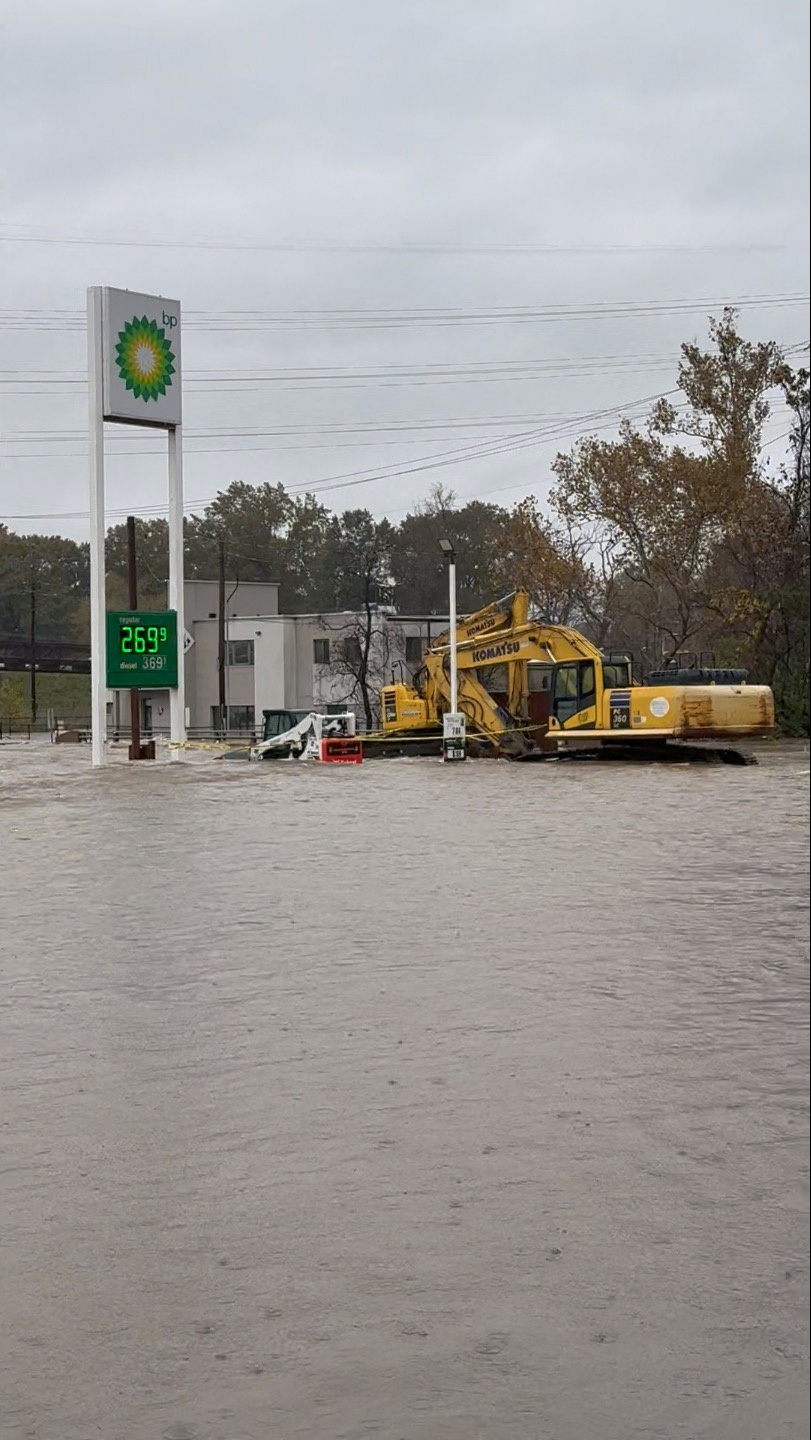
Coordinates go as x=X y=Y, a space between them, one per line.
x=529 y=690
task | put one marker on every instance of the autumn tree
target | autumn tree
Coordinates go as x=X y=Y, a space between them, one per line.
x=760 y=574
x=726 y=390
x=557 y=565
x=659 y=501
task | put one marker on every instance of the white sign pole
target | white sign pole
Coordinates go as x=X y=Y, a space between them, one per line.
x=177 y=698
x=98 y=597
x=135 y=379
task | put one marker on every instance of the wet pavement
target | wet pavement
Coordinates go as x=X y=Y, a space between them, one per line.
x=403 y=1101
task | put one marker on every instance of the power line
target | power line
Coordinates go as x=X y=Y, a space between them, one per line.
x=359 y=427
x=31 y=236
x=394 y=370
x=251 y=321
x=458 y=455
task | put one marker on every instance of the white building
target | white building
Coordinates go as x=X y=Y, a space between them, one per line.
x=274 y=662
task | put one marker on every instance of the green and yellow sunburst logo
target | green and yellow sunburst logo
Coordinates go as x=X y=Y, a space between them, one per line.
x=144 y=357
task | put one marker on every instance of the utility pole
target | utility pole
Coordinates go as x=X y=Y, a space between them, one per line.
x=33 y=639
x=221 y=651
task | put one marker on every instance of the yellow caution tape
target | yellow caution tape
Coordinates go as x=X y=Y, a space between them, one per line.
x=469 y=735
x=205 y=745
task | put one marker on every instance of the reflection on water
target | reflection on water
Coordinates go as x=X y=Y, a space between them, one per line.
x=403 y=1101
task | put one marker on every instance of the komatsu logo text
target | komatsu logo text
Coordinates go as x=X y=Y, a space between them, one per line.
x=496 y=652
x=487 y=624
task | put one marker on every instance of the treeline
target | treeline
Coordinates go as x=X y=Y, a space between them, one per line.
x=679 y=537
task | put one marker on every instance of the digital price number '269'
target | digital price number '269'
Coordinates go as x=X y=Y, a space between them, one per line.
x=143 y=639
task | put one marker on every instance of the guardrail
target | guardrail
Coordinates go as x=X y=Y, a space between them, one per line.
x=13 y=728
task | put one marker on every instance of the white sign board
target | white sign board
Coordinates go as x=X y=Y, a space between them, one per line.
x=141 y=358
x=453 y=726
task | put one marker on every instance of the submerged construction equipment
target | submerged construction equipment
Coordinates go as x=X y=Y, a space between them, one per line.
x=308 y=735
x=530 y=690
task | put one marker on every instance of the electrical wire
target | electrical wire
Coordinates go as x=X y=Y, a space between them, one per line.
x=33 y=235
x=349 y=479
x=263 y=320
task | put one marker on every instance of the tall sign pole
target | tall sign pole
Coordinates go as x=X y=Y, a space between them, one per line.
x=98 y=594
x=134 y=379
x=177 y=696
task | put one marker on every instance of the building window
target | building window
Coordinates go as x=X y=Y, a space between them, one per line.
x=321 y=652
x=240 y=717
x=350 y=648
x=413 y=649
x=240 y=652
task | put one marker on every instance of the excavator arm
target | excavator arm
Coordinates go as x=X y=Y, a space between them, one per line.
x=515 y=649
x=505 y=614
x=500 y=635
x=487 y=722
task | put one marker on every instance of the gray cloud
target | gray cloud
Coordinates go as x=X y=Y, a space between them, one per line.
x=457 y=123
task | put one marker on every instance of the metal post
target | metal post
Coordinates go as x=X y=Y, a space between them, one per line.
x=98 y=599
x=33 y=635
x=222 y=652
x=452 y=619
x=453 y=725
x=132 y=601
x=177 y=698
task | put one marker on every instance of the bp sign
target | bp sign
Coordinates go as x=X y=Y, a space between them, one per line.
x=141 y=350
x=141 y=649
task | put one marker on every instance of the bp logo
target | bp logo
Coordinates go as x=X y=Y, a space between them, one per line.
x=145 y=359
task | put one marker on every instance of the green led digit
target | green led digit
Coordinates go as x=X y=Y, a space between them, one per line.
x=164 y=634
x=126 y=639
x=152 y=639
x=140 y=640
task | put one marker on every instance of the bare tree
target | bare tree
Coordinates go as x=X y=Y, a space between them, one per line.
x=363 y=649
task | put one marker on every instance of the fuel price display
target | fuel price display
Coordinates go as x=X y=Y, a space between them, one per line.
x=141 y=649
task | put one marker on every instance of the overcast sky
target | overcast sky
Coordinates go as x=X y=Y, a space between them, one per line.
x=273 y=162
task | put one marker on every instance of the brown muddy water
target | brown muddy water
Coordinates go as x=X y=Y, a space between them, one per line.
x=403 y=1101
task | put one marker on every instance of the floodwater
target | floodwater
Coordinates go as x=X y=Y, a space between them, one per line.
x=403 y=1101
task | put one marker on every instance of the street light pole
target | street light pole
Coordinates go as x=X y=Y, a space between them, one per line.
x=454 y=731
x=452 y=619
